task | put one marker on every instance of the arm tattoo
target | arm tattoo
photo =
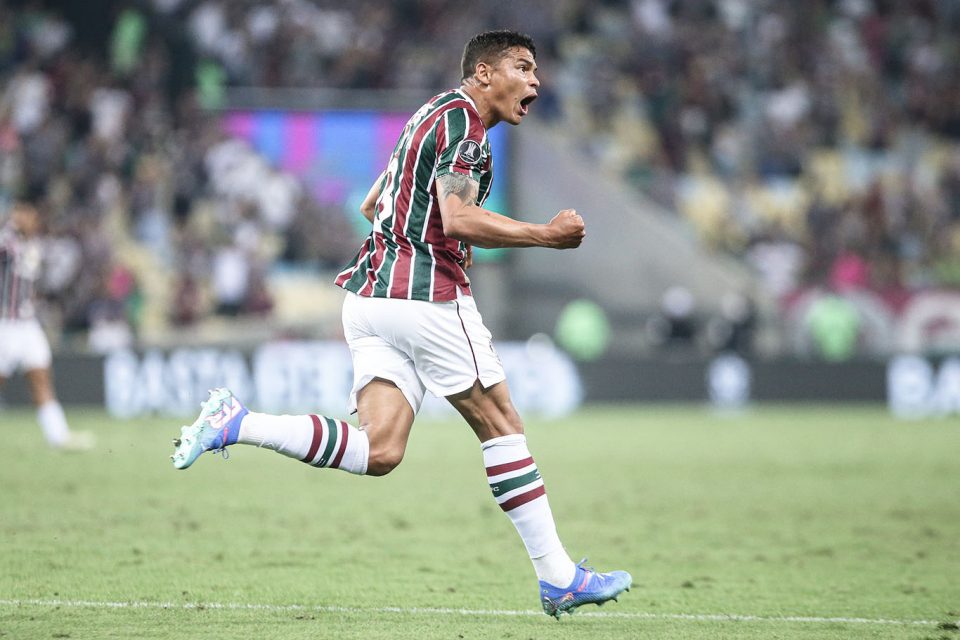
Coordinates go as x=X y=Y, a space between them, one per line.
x=455 y=184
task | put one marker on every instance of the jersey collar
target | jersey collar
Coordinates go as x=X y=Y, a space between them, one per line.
x=466 y=96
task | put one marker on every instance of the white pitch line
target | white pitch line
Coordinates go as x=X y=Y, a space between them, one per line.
x=232 y=606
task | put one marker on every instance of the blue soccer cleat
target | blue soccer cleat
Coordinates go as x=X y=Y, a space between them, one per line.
x=588 y=586
x=214 y=429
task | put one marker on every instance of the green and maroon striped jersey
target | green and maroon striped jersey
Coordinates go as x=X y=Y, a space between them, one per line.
x=20 y=261
x=407 y=255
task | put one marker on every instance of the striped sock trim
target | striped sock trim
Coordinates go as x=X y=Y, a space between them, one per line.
x=331 y=437
x=331 y=441
x=344 y=434
x=315 y=443
x=499 y=469
x=523 y=498
x=515 y=483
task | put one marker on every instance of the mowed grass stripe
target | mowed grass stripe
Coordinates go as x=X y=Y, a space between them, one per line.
x=441 y=611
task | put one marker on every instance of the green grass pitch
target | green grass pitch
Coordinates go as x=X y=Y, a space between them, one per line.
x=783 y=522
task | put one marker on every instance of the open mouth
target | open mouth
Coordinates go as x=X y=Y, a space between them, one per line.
x=525 y=103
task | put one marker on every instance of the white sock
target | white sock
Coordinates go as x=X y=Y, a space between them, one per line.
x=317 y=440
x=555 y=567
x=518 y=489
x=53 y=423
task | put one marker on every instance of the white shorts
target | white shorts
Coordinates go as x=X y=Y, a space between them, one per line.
x=23 y=345
x=442 y=347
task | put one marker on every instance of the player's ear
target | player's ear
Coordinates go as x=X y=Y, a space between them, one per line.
x=482 y=73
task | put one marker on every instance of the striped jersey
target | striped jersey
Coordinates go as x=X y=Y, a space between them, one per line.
x=20 y=262
x=407 y=255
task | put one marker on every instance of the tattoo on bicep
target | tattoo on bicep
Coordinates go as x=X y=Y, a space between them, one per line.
x=455 y=184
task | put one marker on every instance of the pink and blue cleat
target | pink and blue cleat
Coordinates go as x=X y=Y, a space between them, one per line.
x=588 y=586
x=216 y=428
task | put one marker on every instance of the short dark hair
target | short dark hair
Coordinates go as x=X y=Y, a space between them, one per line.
x=490 y=46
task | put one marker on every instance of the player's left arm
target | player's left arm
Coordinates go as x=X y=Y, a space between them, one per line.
x=464 y=220
x=460 y=165
x=369 y=206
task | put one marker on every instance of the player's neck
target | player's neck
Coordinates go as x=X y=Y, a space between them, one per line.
x=477 y=94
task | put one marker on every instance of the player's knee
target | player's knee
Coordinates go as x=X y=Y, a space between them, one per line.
x=383 y=459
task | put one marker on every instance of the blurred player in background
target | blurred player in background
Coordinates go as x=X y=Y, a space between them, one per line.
x=23 y=344
x=412 y=325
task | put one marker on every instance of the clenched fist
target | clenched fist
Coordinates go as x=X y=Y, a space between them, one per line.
x=567 y=230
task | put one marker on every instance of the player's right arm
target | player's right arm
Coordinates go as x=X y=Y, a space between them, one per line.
x=369 y=205
x=464 y=220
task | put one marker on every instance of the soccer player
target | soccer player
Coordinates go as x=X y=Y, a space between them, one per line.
x=23 y=345
x=412 y=325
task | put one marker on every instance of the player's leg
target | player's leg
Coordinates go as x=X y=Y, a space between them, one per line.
x=386 y=394
x=41 y=386
x=483 y=399
x=456 y=359
x=317 y=440
x=36 y=359
x=387 y=417
x=460 y=363
x=513 y=477
x=519 y=490
x=374 y=448
x=50 y=414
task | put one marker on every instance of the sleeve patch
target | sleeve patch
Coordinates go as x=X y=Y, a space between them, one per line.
x=469 y=152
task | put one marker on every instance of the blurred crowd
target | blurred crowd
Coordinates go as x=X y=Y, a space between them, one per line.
x=817 y=141
x=155 y=217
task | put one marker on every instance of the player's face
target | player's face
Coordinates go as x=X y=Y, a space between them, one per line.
x=25 y=219
x=514 y=85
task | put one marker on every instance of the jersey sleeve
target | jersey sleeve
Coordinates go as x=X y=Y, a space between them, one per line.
x=460 y=135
